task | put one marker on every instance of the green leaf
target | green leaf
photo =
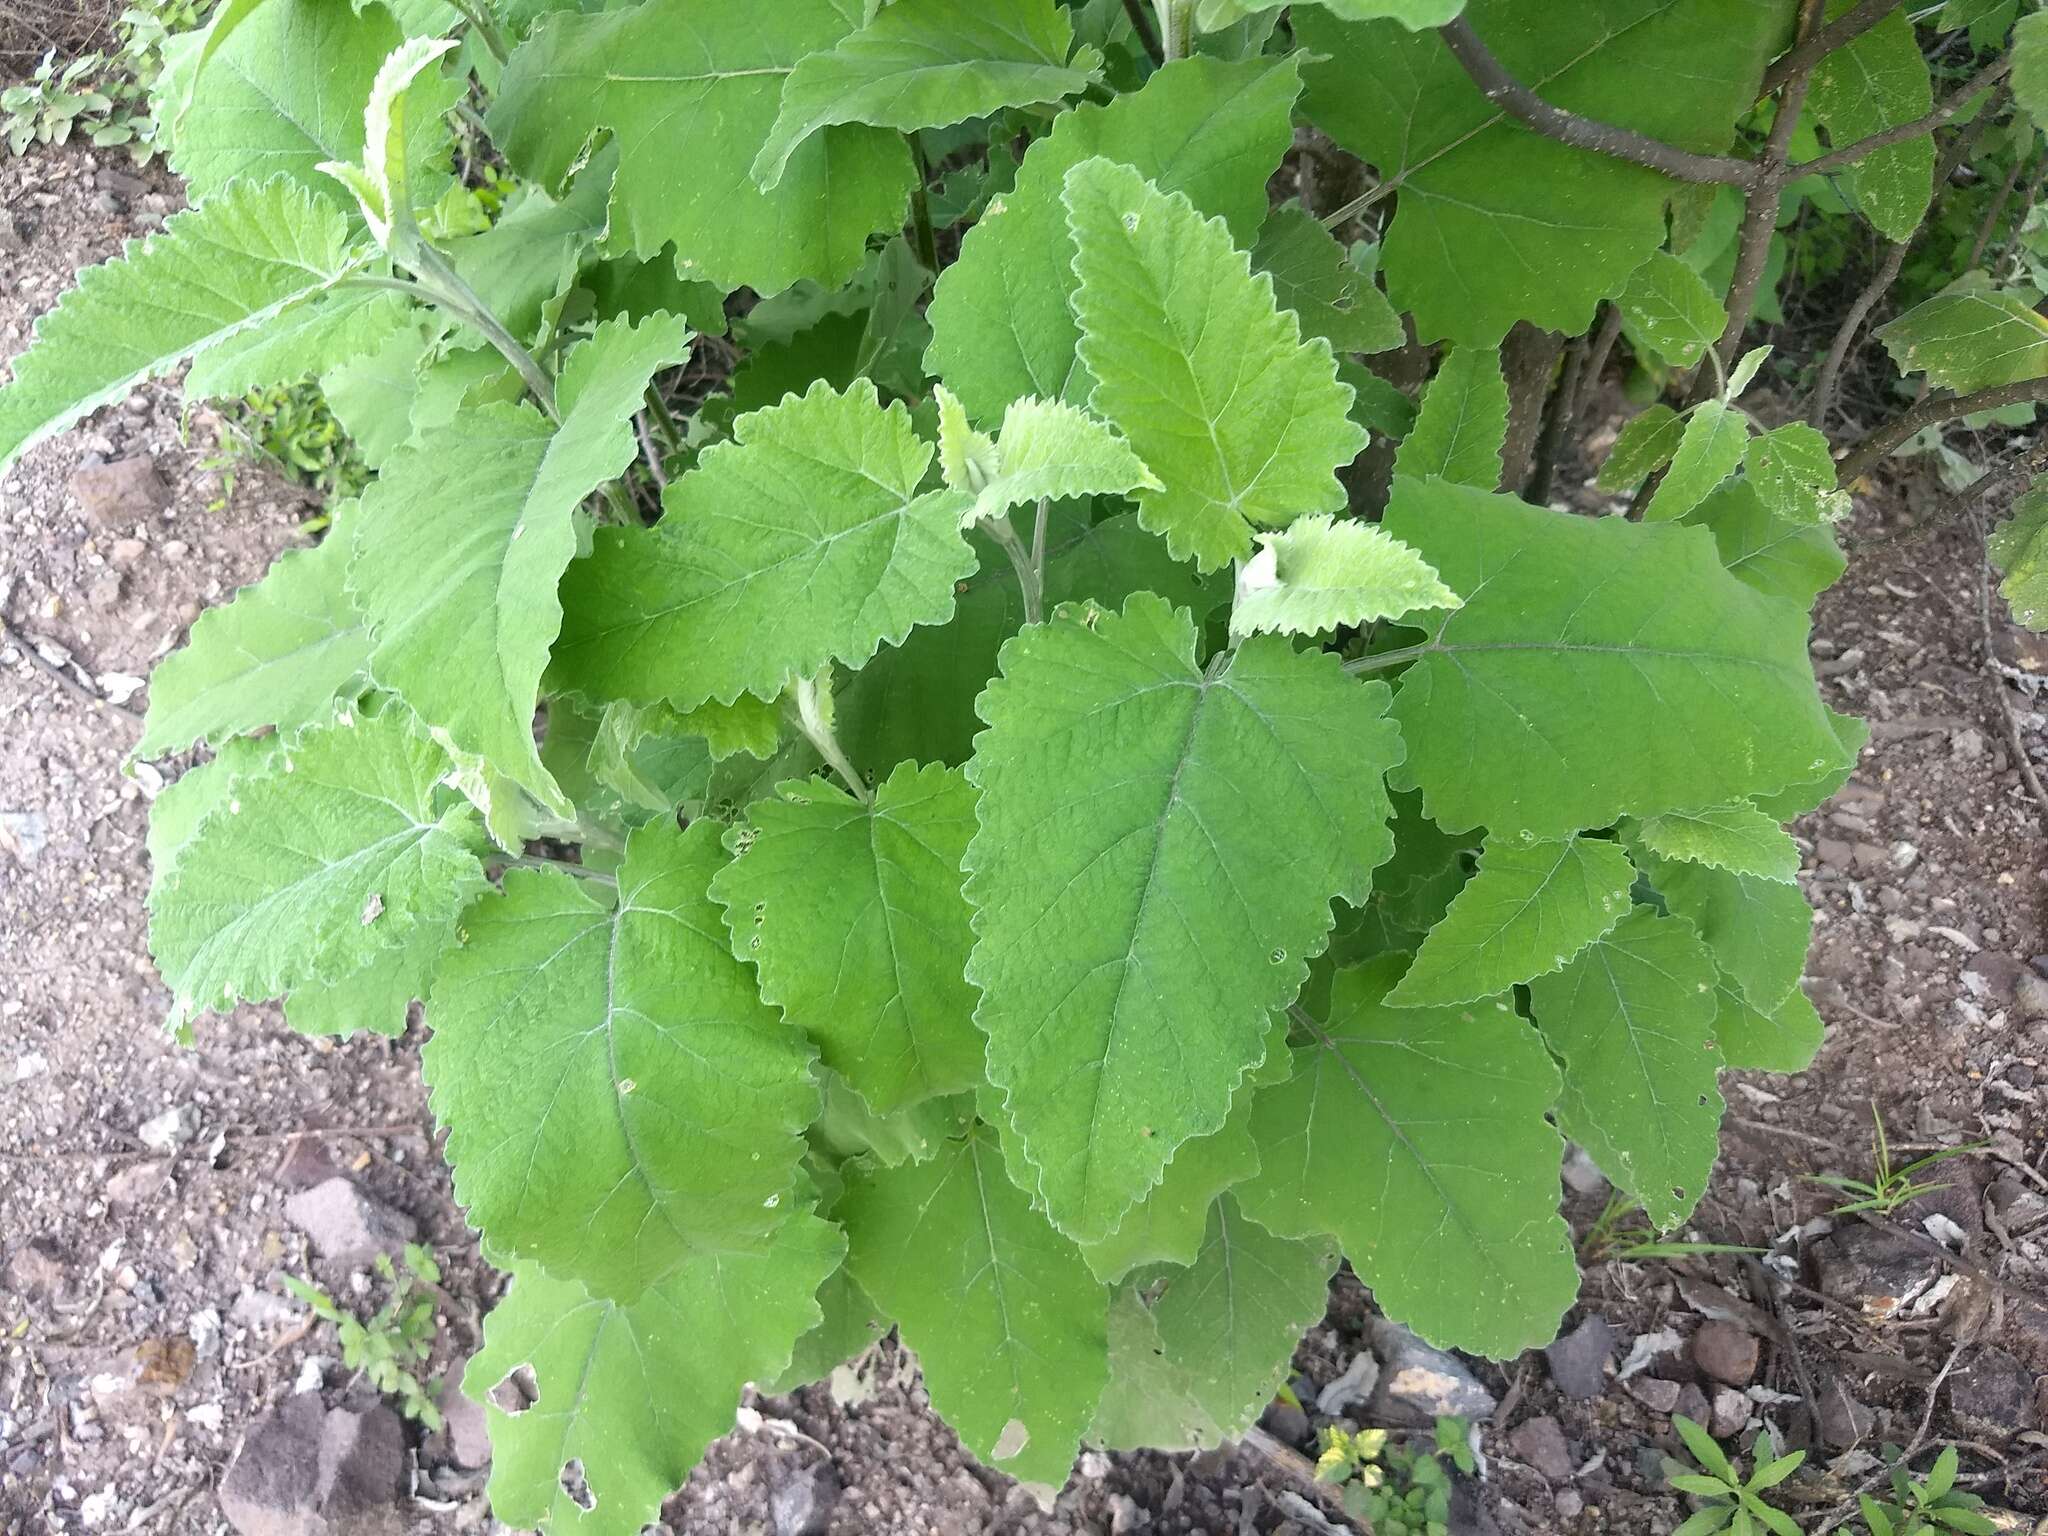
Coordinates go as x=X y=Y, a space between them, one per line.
x=1168 y=1226
x=2019 y=548
x=2030 y=65
x=1149 y=1403
x=1795 y=800
x=381 y=183
x=534 y=252
x=801 y=542
x=1046 y=452
x=1631 y=1021
x=1314 y=277
x=1705 y=1450
x=678 y=82
x=1784 y=1038
x=1737 y=838
x=1243 y=422
x=852 y=1322
x=233 y=263
x=1317 y=575
x=327 y=331
x=1462 y=428
x=182 y=805
x=1212 y=15
x=1972 y=337
x=1878 y=81
x=278 y=653
x=632 y=1393
x=1668 y=308
x=853 y=915
x=616 y=1094
x=928 y=64
x=1598 y=668
x=333 y=854
x=1779 y=557
x=1010 y=1327
x=1645 y=445
x=1231 y=1320
x=1372 y=1139
x=377 y=998
x=1793 y=471
x=1002 y=319
x=1121 y=1008
x=1528 y=910
x=1496 y=223
x=1757 y=928
x=462 y=541
x=1711 y=450
x=287 y=91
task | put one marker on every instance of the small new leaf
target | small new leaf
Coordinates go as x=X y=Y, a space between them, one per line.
x=1318 y=575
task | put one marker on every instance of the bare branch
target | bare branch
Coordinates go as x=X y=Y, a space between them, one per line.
x=1852 y=325
x=1834 y=160
x=1839 y=33
x=1865 y=454
x=1525 y=106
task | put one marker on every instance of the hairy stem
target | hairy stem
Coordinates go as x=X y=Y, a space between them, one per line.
x=1865 y=454
x=1038 y=530
x=1176 y=20
x=1386 y=659
x=453 y=292
x=1023 y=561
x=814 y=719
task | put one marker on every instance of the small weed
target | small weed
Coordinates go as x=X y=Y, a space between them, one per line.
x=1398 y=1491
x=103 y=97
x=393 y=1343
x=1925 y=1506
x=292 y=428
x=1615 y=1236
x=1732 y=1503
x=1889 y=1187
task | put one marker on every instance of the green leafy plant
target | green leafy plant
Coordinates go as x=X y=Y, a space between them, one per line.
x=1729 y=1501
x=918 y=780
x=1925 y=1506
x=1888 y=1188
x=397 y=1339
x=101 y=97
x=292 y=427
x=1617 y=1233
x=1398 y=1490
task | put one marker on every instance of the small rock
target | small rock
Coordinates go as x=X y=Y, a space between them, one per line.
x=138 y=1181
x=125 y=552
x=2000 y=974
x=1126 y=1514
x=346 y=1225
x=1285 y=1422
x=1541 y=1444
x=170 y=1130
x=1419 y=1383
x=1870 y=859
x=30 y=1064
x=1692 y=1402
x=1569 y=1505
x=1843 y=1420
x=305 y=1472
x=1836 y=853
x=464 y=1423
x=122 y=493
x=176 y=550
x=120 y=183
x=1994 y=1387
x=1873 y=1269
x=1354 y=1385
x=14 y=232
x=105 y=592
x=1654 y=1393
x=35 y=1269
x=2030 y=996
x=1578 y=1360
x=24 y=834
x=163 y=1365
x=108 y=204
x=801 y=1505
x=1725 y=1353
x=1729 y=1413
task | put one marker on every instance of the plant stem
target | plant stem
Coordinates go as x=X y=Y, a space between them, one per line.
x=814 y=719
x=1864 y=455
x=1817 y=45
x=1022 y=561
x=921 y=210
x=583 y=872
x=453 y=292
x=478 y=14
x=1142 y=25
x=1038 y=528
x=1176 y=19
x=1986 y=77
x=1386 y=659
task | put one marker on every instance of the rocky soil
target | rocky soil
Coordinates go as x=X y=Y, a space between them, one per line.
x=156 y=1375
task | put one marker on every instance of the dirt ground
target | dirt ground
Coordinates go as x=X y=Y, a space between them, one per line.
x=144 y=1331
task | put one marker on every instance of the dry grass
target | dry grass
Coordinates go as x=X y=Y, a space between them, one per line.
x=30 y=28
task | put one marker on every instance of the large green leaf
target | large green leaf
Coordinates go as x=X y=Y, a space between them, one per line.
x=2019 y=548
x=616 y=1094
x=1462 y=428
x=632 y=1393
x=1002 y=321
x=2030 y=65
x=1496 y=223
x=1877 y=81
x=929 y=64
x=1757 y=926
x=853 y=915
x=1373 y=1137
x=334 y=853
x=1784 y=1038
x=1597 y=668
x=1528 y=910
x=279 y=653
x=1211 y=15
x=328 y=331
x=698 y=83
x=1852 y=736
x=1149 y=1403
x=1317 y=575
x=1009 y=1325
x=1313 y=276
x=803 y=541
x=1972 y=337
x=1243 y=422
x=461 y=542
x=1631 y=1019
x=1230 y=1320
x=1134 y=927
x=234 y=262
